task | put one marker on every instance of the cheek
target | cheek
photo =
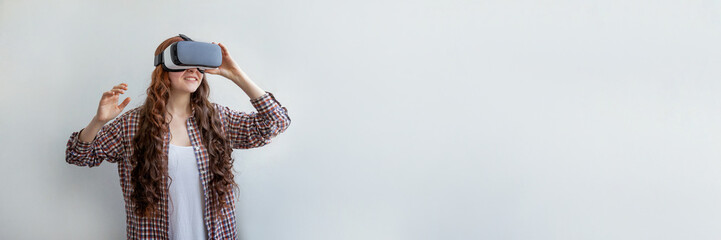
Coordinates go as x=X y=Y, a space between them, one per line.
x=174 y=76
x=176 y=80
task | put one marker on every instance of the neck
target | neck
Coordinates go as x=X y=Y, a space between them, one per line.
x=179 y=104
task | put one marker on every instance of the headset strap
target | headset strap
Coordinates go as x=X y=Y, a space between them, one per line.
x=159 y=58
x=186 y=38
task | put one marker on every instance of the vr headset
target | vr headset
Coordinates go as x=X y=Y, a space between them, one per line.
x=189 y=54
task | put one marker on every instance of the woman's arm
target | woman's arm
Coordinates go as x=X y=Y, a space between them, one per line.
x=98 y=142
x=106 y=144
x=255 y=129
x=248 y=86
x=230 y=70
x=91 y=130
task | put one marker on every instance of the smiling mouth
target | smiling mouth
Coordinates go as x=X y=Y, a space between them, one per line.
x=191 y=79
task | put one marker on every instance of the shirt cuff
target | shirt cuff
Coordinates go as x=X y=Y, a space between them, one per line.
x=79 y=144
x=265 y=103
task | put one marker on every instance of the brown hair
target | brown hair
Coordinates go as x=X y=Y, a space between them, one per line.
x=149 y=159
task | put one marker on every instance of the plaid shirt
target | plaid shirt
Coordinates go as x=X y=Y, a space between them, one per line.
x=113 y=144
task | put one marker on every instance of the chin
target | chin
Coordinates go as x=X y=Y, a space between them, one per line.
x=192 y=88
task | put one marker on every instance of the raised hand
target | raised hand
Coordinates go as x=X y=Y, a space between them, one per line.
x=228 y=68
x=108 y=107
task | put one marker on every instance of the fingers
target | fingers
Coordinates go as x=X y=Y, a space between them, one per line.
x=113 y=92
x=222 y=48
x=119 y=89
x=121 y=86
x=215 y=71
x=124 y=103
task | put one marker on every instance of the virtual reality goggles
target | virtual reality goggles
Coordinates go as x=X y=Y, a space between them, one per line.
x=189 y=54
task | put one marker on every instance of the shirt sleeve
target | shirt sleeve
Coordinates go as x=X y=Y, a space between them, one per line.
x=107 y=146
x=255 y=129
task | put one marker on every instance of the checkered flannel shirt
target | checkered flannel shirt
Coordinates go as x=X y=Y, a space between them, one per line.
x=113 y=144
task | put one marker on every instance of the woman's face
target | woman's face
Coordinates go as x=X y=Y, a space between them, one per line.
x=186 y=81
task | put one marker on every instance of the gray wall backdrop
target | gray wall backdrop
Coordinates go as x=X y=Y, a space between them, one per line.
x=445 y=119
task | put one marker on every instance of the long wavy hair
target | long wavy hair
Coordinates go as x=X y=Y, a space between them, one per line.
x=149 y=160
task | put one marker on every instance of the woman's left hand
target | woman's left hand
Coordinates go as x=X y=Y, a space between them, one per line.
x=228 y=69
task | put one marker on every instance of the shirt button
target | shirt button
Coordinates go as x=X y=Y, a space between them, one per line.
x=197 y=148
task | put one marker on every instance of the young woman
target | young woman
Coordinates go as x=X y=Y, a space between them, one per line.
x=174 y=151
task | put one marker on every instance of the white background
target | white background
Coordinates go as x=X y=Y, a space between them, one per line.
x=443 y=119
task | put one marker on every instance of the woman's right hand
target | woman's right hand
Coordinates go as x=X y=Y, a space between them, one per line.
x=108 y=107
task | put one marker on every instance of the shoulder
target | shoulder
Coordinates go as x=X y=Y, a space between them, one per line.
x=220 y=108
x=216 y=105
x=225 y=112
x=131 y=114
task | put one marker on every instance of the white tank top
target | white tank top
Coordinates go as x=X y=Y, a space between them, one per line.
x=186 y=198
